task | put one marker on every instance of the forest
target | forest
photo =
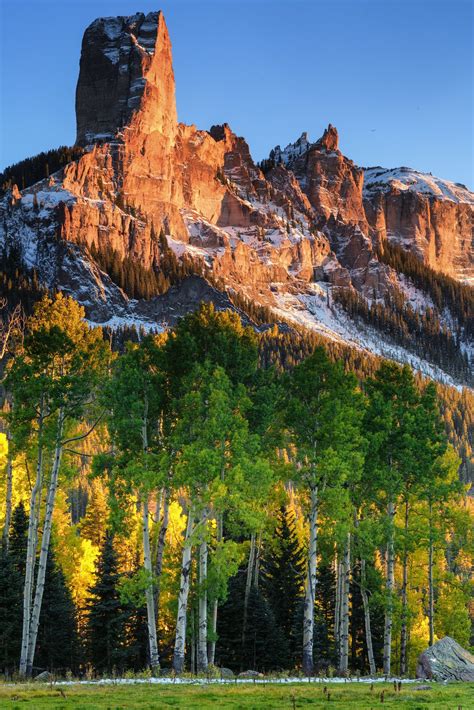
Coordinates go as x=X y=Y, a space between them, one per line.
x=29 y=171
x=215 y=497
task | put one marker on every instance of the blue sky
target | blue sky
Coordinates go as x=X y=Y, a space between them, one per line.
x=394 y=76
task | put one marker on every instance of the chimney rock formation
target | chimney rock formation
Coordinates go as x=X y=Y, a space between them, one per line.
x=126 y=78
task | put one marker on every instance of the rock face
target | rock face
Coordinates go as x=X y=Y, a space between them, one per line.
x=429 y=216
x=446 y=660
x=125 y=71
x=281 y=234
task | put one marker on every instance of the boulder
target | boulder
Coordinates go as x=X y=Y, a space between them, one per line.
x=43 y=677
x=226 y=673
x=446 y=660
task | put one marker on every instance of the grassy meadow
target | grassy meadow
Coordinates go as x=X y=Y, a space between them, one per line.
x=353 y=696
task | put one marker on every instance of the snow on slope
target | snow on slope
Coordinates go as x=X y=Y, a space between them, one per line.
x=312 y=311
x=381 y=179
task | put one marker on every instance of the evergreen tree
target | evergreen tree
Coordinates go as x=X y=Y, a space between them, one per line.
x=324 y=642
x=283 y=579
x=12 y=571
x=136 y=654
x=324 y=648
x=264 y=646
x=18 y=538
x=105 y=613
x=57 y=645
x=10 y=612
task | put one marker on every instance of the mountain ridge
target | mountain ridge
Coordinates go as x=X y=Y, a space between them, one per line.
x=286 y=234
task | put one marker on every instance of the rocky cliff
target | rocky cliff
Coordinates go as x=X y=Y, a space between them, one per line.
x=282 y=234
x=432 y=217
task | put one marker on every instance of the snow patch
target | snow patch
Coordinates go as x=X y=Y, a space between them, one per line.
x=232 y=681
x=129 y=321
x=404 y=179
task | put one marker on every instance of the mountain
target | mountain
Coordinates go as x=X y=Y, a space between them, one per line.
x=151 y=216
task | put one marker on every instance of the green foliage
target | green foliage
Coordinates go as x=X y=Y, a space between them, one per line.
x=226 y=421
x=322 y=413
x=57 y=371
x=216 y=336
x=264 y=646
x=132 y=588
x=10 y=612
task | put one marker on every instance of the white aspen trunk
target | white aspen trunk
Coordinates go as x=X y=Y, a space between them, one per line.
x=367 y=624
x=345 y=583
x=248 y=586
x=35 y=503
x=310 y=591
x=150 y=599
x=337 y=611
x=180 y=638
x=193 y=643
x=211 y=646
x=43 y=557
x=202 y=661
x=147 y=563
x=430 y=579
x=389 y=587
x=158 y=503
x=404 y=625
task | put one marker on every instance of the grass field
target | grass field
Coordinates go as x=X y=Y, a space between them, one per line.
x=353 y=696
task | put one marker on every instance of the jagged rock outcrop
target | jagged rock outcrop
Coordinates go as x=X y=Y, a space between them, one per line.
x=333 y=186
x=446 y=660
x=332 y=183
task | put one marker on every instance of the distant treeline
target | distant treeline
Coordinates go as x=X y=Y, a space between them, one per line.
x=31 y=170
x=445 y=292
x=420 y=333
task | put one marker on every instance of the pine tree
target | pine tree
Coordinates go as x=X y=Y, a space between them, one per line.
x=10 y=612
x=283 y=579
x=57 y=645
x=265 y=647
x=324 y=642
x=324 y=648
x=105 y=614
x=136 y=653
x=12 y=571
x=18 y=538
